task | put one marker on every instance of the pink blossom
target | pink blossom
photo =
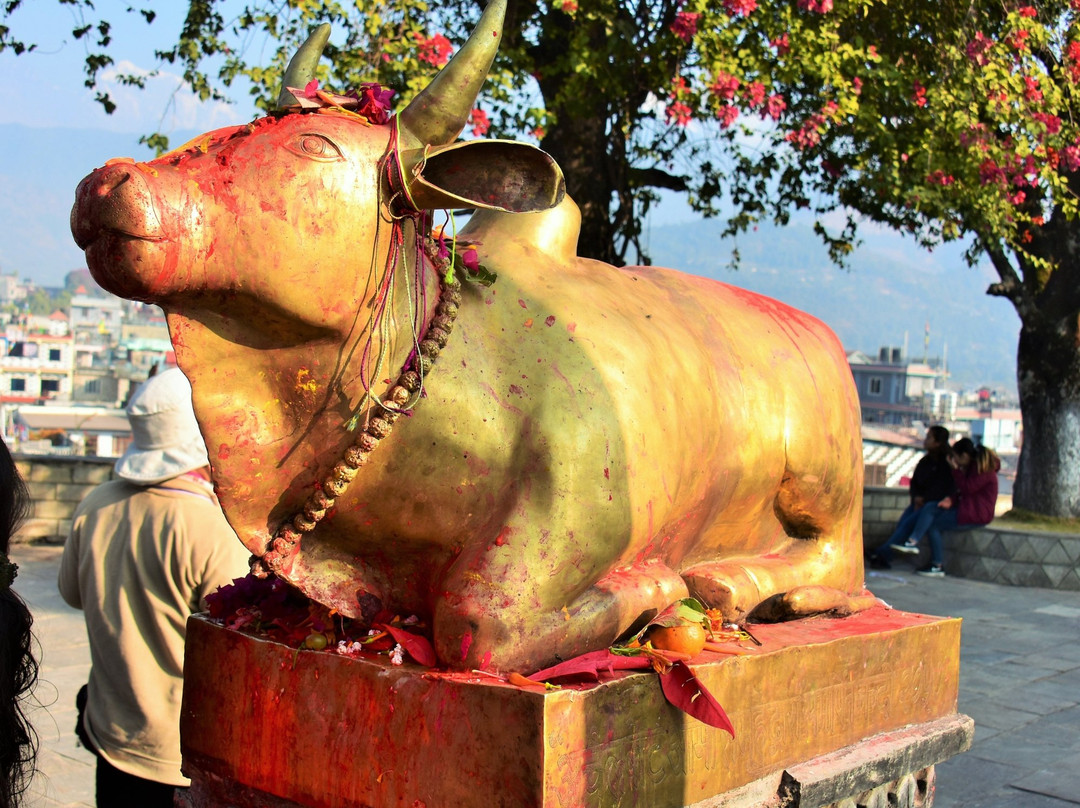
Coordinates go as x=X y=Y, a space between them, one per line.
x=373 y=102
x=990 y=173
x=1072 y=59
x=775 y=106
x=856 y=83
x=727 y=115
x=738 y=8
x=939 y=177
x=1018 y=198
x=1031 y=89
x=1027 y=11
x=685 y=25
x=977 y=49
x=919 y=95
x=809 y=134
x=435 y=51
x=567 y=6
x=805 y=137
x=679 y=112
x=1051 y=122
x=725 y=86
x=470 y=260
x=1070 y=156
x=1017 y=40
x=479 y=119
x=754 y=93
x=817 y=6
x=783 y=45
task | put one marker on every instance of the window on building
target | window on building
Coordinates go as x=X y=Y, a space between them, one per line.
x=875 y=385
x=50 y=386
x=18 y=385
x=54 y=354
x=24 y=349
x=92 y=386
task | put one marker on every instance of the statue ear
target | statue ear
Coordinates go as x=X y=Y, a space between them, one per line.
x=501 y=175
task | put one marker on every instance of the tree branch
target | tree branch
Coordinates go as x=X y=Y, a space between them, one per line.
x=1010 y=286
x=656 y=178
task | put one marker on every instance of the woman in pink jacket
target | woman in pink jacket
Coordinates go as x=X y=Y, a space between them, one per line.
x=975 y=470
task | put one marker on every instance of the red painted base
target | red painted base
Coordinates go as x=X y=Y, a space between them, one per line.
x=265 y=726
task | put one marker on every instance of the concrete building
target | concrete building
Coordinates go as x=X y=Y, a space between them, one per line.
x=11 y=289
x=1000 y=429
x=35 y=366
x=894 y=390
x=96 y=320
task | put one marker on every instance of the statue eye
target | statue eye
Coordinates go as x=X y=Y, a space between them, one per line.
x=315 y=147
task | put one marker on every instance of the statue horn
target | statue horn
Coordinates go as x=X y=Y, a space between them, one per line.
x=301 y=69
x=438 y=114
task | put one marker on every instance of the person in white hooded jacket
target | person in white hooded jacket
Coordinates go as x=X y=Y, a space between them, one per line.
x=144 y=551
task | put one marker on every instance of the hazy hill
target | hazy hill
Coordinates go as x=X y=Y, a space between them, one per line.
x=892 y=288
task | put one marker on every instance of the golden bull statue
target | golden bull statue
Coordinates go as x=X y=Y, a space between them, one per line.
x=532 y=465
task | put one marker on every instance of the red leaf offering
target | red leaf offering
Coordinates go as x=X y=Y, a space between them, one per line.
x=685 y=691
x=415 y=646
x=591 y=665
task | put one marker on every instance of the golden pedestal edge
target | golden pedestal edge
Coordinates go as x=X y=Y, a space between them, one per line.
x=824 y=706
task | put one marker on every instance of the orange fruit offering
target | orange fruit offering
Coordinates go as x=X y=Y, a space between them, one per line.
x=688 y=638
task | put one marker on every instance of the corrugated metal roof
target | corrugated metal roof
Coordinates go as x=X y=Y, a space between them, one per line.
x=113 y=421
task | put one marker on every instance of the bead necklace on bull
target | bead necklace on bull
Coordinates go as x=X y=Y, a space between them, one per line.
x=420 y=174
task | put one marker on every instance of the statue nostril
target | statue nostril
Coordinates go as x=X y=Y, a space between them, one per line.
x=111 y=182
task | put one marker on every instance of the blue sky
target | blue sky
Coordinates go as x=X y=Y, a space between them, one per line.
x=45 y=92
x=45 y=87
x=69 y=134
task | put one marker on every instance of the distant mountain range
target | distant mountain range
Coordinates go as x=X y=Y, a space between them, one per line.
x=892 y=290
x=893 y=287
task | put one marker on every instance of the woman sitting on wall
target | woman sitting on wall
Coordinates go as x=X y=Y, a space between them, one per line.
x=18 y=668
x=975 y=470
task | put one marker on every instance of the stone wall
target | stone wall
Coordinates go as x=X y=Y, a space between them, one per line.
x=57 y=485
x=1015 y=557
x=999 y=555
x=881 y=511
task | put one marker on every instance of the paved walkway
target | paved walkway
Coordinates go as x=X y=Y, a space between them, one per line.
x=1019 y=680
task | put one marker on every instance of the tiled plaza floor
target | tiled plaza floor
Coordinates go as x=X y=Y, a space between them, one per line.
x=1019 y=680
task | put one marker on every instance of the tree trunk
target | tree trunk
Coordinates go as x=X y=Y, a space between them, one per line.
x=1048 y=379
x=580 y=147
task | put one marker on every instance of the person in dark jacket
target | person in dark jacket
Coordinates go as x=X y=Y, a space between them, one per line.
x=975 y=473
x=931 y=482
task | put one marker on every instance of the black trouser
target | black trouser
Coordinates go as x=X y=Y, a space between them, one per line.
x=117 y=789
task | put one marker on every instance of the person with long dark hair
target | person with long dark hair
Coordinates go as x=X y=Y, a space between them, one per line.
x=975 y=472
x=18 y=668
x=931 y=482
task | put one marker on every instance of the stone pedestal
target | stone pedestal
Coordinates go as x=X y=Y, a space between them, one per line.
x=827 y=711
